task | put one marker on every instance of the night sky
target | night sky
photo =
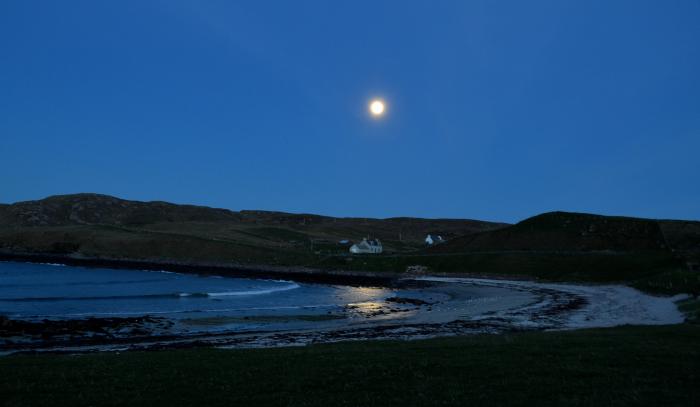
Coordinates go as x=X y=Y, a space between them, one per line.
x=495 y=110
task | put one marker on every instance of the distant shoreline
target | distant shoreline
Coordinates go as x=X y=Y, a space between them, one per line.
x=386 y=279
x=296 y=273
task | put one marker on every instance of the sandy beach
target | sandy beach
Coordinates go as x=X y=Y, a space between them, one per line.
x=415 y=308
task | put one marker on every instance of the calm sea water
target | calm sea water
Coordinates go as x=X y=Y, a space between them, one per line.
x=37 y=291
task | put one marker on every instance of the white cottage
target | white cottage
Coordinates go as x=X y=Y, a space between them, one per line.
x=373 y=246
x=431 y=240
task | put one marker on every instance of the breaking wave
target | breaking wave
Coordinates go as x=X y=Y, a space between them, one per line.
x=290 y=286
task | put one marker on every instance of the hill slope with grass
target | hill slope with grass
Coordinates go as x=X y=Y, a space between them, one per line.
x=103 y=226
x=576 y=232
x=655 y=255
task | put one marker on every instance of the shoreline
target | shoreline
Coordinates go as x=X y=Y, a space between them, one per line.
x=303 y=274
x=297 y=273
x=540 y=307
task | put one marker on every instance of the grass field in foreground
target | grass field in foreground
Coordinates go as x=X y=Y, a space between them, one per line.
x=617 y=366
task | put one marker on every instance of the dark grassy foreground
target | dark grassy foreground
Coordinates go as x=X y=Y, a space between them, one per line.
x=619 y=366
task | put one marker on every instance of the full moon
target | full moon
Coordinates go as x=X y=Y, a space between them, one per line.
x=376 y=108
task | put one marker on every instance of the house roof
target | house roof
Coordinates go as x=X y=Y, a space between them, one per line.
x=369 y=243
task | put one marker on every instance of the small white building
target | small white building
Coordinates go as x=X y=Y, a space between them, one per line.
x=373 y=246
x=431 y=240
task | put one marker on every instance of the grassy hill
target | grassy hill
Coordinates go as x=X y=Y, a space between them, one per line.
x=104 y=226
x=654 y=255
x=558 y=246
x=565 y=231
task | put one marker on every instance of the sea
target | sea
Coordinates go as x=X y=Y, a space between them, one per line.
x=32 y=291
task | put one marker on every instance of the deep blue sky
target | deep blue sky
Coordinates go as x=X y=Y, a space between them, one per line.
x=497 y=109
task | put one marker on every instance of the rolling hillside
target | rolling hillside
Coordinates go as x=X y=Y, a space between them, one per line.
x=581 y=232
x=104 y=226
x=655 y=255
